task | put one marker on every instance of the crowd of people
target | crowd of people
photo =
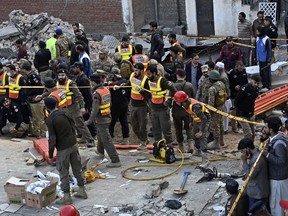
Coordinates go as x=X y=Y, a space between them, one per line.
x=62 y=92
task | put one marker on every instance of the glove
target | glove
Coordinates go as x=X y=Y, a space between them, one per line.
x=116 y=87
x=137 y=88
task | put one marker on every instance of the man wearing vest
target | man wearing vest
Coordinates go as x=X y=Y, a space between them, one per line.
x=125 y=49
x=216 y=126
x=33 y=79
x=85 y=59
x=201 y=121
x=139 y=107
x=160 y=115
x=174 y=42
x=140 y=57
x=75 y=101
x=101 y=112
x=4 y=80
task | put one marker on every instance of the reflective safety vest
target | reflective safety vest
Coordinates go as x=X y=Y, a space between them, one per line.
x=141 y=58
x=60 y=95
x=177 y=43
x=135 y=95
x=3 y=83
x=14 y=87
x=158 y=95
x=67 y=90
x=105 y=101
x=125 y=52
x=193 y=114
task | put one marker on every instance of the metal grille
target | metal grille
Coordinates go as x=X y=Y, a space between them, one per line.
x=269 y=9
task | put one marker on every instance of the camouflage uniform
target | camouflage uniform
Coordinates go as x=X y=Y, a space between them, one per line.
x=105 y=65
x=202 y=92
x=63 y=45
x=216 y=125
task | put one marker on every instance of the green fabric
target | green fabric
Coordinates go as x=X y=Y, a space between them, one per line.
x=50 y=44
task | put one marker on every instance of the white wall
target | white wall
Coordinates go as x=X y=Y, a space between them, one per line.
x=225 y=16
x=127 y=11
x=191 y=18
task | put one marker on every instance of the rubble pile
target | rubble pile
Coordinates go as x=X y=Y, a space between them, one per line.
x=33 y=28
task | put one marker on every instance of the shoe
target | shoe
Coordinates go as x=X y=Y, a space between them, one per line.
x=197 y=152
x=205 y=162
x=66 y=200
x=235 y=130
x=81 y=193
x=91 y=144
x=142 y=147
x=125 y=141
x=150 y=134
x=99 y=155
x=113 y=165
x=213 y=145
x=225 y=132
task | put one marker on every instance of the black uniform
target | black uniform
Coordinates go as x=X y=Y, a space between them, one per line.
x=236 y=78
x=119 y=108
x=33 y=79
x=13 y=114
x=41 y=60
x=272 y=33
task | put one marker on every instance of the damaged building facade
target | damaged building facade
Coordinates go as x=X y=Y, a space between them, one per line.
x=193 y=17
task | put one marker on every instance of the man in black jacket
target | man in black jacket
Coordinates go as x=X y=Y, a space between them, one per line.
x=193 y=71
x=157 y=43
x=82 y=80
x=244 y=104
x=41 y=60
x=63 y=138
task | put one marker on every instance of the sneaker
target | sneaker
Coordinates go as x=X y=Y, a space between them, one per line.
x=91 y=144
x=125 y=141
x=113 y=165
x=142 y=147
x=150 y=134
x=99 y=155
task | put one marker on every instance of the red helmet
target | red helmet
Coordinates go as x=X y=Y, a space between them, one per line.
x=180 y=96
x=69 y=210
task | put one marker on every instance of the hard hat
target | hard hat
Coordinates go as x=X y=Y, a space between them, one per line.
x=180 y=96
x=69 y=210
x=232 y=186
x=214 y=75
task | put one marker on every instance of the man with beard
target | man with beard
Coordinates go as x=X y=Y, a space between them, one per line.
x=125 y=49
x=244 y=104
x=174 y=42
x=160 y=115
x=101 y=112
x=276 y=154
x=82 y=80
x=157 y=43
x=230 y=54
x=74 y=101
x=104 y=62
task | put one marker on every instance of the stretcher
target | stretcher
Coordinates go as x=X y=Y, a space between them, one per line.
x=43 y=148
x=271 y=99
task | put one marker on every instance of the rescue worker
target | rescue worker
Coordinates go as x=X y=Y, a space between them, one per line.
x=76 y=105
x=140 y=57
x=17 y=126
x=160 y=115
x=104 y=62
x=139 y=106
x=244 y=104
x=216 y=125
x=174 y=42
x=4 y=81
x=177 y=63
x=63 y=45
x=51 y=45
x=119 y=106
x=201 y=121
x=63 y=137
x=180 y=116
x=125 y=49
x=101 y=112
x=204 y=85
x=33 y=79
x=82 y=80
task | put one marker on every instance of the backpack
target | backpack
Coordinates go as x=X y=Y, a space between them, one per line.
x=221 y=95
x=126 y=69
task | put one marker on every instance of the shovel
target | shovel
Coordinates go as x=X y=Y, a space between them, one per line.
x=182 y=191
x=37 y=162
